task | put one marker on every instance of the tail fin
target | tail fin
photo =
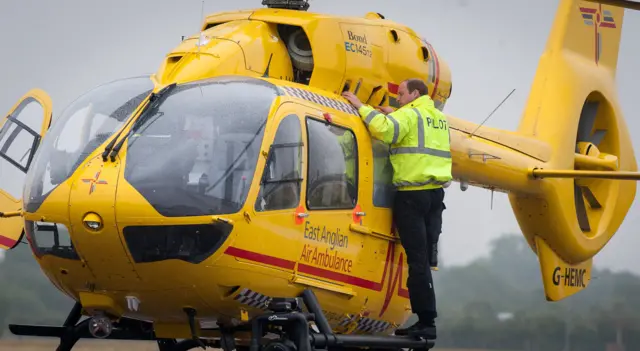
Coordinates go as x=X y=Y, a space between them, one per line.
x=573 y=107
x=559 y=278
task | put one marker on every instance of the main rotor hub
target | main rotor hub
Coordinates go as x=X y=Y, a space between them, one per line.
x=302 y=5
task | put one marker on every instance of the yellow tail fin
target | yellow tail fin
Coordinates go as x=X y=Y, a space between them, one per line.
x=574 y=108
x=559 y=278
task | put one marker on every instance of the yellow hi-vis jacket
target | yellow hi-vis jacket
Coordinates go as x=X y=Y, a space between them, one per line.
x=420 y=143
x=347 y=143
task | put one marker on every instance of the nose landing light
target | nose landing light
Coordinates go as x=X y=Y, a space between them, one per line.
x=92 y=221
x=100 y=326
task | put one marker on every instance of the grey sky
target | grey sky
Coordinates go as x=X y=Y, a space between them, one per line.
x=492 y=46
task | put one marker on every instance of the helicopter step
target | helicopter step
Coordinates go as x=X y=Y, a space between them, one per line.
x=285 y=319
x=296 y=334
x=326 y=339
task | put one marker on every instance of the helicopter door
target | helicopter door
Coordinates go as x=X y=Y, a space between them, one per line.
x=383 y=191
x=330 y=250
x=279 y=195
x=20 y=134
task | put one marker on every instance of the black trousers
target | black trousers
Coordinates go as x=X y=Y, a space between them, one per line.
x=414 y=213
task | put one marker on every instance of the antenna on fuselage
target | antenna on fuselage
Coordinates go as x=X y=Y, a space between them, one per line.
x=302 y=5
x=492 y=112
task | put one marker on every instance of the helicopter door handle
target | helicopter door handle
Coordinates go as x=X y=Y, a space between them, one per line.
x=360 y=213
x=302 y=214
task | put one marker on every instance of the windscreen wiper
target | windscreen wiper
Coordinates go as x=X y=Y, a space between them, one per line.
x=154 y=101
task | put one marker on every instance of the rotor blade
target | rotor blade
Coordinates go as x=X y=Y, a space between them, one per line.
x=587 y=118
x=597 y=136
x=632 y=5
x=591 y=198
x=581 y=210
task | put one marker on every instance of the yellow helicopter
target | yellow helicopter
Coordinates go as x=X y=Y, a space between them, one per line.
x=234 y=199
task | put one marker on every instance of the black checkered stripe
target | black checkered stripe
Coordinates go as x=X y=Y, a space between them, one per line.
x=321 y=100
x=255 y=299
x=252 y=298
x=367 y=324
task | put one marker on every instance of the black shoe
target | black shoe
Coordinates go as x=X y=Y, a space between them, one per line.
x=425 y=330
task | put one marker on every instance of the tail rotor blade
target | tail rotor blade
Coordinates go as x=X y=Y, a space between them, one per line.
x=597 y=136
x=587 y=119
x=591 y=198
x=581 y=210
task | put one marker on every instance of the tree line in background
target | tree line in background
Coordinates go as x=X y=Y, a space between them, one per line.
x=499 y=303
x=493 y=303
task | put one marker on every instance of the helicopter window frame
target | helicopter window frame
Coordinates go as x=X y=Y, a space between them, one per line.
x=383 y=190
x=50 y=239
x=20 y=126
x=232 y=155
x=63 y=150
x=277 y=181
x=355 y=195
x=20 y=137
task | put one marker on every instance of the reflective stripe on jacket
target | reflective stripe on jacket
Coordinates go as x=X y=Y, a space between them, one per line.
x=420 y=143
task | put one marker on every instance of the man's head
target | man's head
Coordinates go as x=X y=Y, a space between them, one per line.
x=410 y=90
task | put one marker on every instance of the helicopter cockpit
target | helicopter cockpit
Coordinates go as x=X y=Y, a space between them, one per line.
x=83 y=126
x=195 y=152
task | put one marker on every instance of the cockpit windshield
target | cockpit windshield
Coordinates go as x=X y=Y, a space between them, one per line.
x=195 y=153
x=81 y=128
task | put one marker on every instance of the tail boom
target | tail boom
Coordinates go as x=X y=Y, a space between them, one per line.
x=495 y=159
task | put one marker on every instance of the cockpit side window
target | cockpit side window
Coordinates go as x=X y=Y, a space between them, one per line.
x=333 y=167
x=20 y=133
x=383 y=189
x=281 y=181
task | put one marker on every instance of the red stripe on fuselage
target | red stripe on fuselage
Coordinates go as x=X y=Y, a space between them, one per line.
x=8 y=242
x=257 y=257
x=437 y=71
x=327 y=274
x=393 y=88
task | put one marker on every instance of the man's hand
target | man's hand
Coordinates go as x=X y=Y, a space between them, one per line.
x=384 y=109
x=352 y=99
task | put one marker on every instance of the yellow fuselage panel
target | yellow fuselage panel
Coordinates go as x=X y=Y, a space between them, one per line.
x=356 y=263
x=130 y=240
x=369 y=56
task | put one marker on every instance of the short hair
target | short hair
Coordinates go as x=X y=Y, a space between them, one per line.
x=417 y=84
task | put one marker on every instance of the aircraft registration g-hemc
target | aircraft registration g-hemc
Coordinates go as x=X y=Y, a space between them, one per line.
x=234 y=194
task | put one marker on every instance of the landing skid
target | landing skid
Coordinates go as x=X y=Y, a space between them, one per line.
x=285 y=320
